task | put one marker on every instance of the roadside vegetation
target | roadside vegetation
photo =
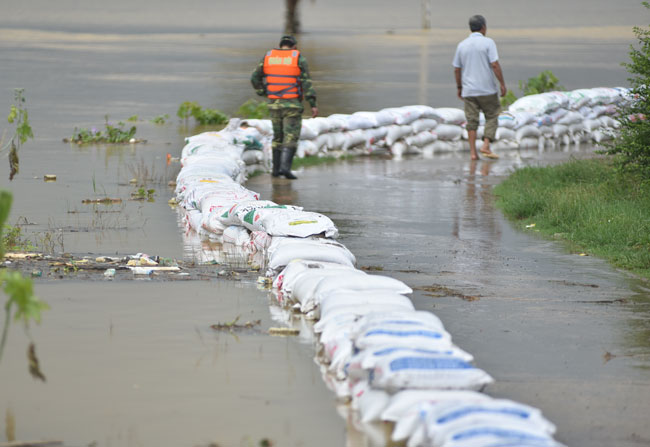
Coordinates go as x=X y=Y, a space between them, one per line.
x=588 y=203
x=599 y=206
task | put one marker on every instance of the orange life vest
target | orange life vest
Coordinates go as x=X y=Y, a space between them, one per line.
x=282 y=74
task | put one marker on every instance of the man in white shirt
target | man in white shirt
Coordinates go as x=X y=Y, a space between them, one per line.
x=476 y=64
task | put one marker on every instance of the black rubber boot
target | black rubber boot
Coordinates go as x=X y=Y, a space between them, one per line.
x=285 y=163
x=277 y=156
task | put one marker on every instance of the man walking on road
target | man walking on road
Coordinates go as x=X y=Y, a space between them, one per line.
x=476 y=64
x=283 y=77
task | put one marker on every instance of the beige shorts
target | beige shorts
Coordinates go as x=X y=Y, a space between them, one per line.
x=490 y=106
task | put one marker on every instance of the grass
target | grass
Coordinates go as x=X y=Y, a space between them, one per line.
x=315 y=160
x=587 y=203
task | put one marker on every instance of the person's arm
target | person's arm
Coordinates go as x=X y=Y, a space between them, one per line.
x=257 y=79
x=307 y=86
x=496 y=67
x=459 y=82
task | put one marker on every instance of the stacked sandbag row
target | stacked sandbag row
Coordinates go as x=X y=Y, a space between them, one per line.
x=392 y=362
x=582 y=115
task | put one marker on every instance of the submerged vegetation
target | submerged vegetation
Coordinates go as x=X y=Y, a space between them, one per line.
x=203 y=116
x=111 y=134
x=589 y=204
x=254 y=109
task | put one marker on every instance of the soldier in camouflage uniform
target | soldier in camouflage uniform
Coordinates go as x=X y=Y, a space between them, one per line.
x=283 y=77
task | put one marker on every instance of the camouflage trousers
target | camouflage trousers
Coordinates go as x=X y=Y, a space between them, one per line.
x=287 y=123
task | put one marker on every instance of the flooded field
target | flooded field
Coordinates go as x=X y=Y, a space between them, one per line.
x=135 y=362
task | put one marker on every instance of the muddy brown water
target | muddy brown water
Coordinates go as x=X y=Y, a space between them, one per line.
x=134 y=362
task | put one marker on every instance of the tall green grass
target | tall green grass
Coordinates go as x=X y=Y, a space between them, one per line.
x=587 y=203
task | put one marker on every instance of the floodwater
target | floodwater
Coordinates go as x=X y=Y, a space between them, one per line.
x=135 y=362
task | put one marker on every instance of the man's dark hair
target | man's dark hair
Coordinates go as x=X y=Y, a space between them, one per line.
x=476 y=23
x=288 y=41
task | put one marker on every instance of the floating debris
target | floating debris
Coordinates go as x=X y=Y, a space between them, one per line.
x=233 y=325
x=283 y=331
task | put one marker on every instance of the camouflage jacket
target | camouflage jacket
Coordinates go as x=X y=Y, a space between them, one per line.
x=257 y=79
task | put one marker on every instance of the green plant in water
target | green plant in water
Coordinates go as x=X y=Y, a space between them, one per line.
x=19 y=117
x=20 y=303
x=132 y=119
x=191 y=109
x=111 y=134
x=160 y=119
x=254 y=109
x=13 y=240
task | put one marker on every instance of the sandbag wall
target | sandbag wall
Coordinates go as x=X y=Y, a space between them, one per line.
x=547 y=119
x=392 y=363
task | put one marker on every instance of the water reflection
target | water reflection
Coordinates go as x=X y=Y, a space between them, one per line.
x=475 y=227
x=282 y=192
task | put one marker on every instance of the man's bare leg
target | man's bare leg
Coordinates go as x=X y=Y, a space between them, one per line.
x=471 y=137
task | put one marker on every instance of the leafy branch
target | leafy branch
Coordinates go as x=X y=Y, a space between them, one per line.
x=18 y=116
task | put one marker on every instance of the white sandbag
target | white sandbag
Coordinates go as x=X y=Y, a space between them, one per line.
x=497 y=434
x=336 y=298
x=260 y=240
x=396 y=132
x=426 y=111
x=366 y=360
x=440 y=146
x=338 y=122
x=236 y=235
x=415 y=337
x=409 y=410
x=608 y=121
x=369 y=402
x=336 y=141
x=353 y=138
x=398 y=149
x=507 y=120
x=535 y=104
x=505 y=133
x=362 y=120
x=322 y=142
x=235 y=214
x=559 y=130
x=529 y=142
x=211 y=222
x=306 y=148
x=193 y=218
x=398 y=319
x=279 y=221
x=450 y=417
x=360 y=280
x=427 y=372
x=285 y=279
x=308 y=130
x=265 y=127
x=576 y=128
x=420 y=139
x=405 y=401
x=304 y=284
x=403 y=115
x=448 y=132
x=527 y=131
x=601 y=135
x=355 y=312
x=252 y=157
x=423 y=124
x=309 y=251
x=449 y=115
x=591 y=125
x=373 y=136
x=479 y=133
